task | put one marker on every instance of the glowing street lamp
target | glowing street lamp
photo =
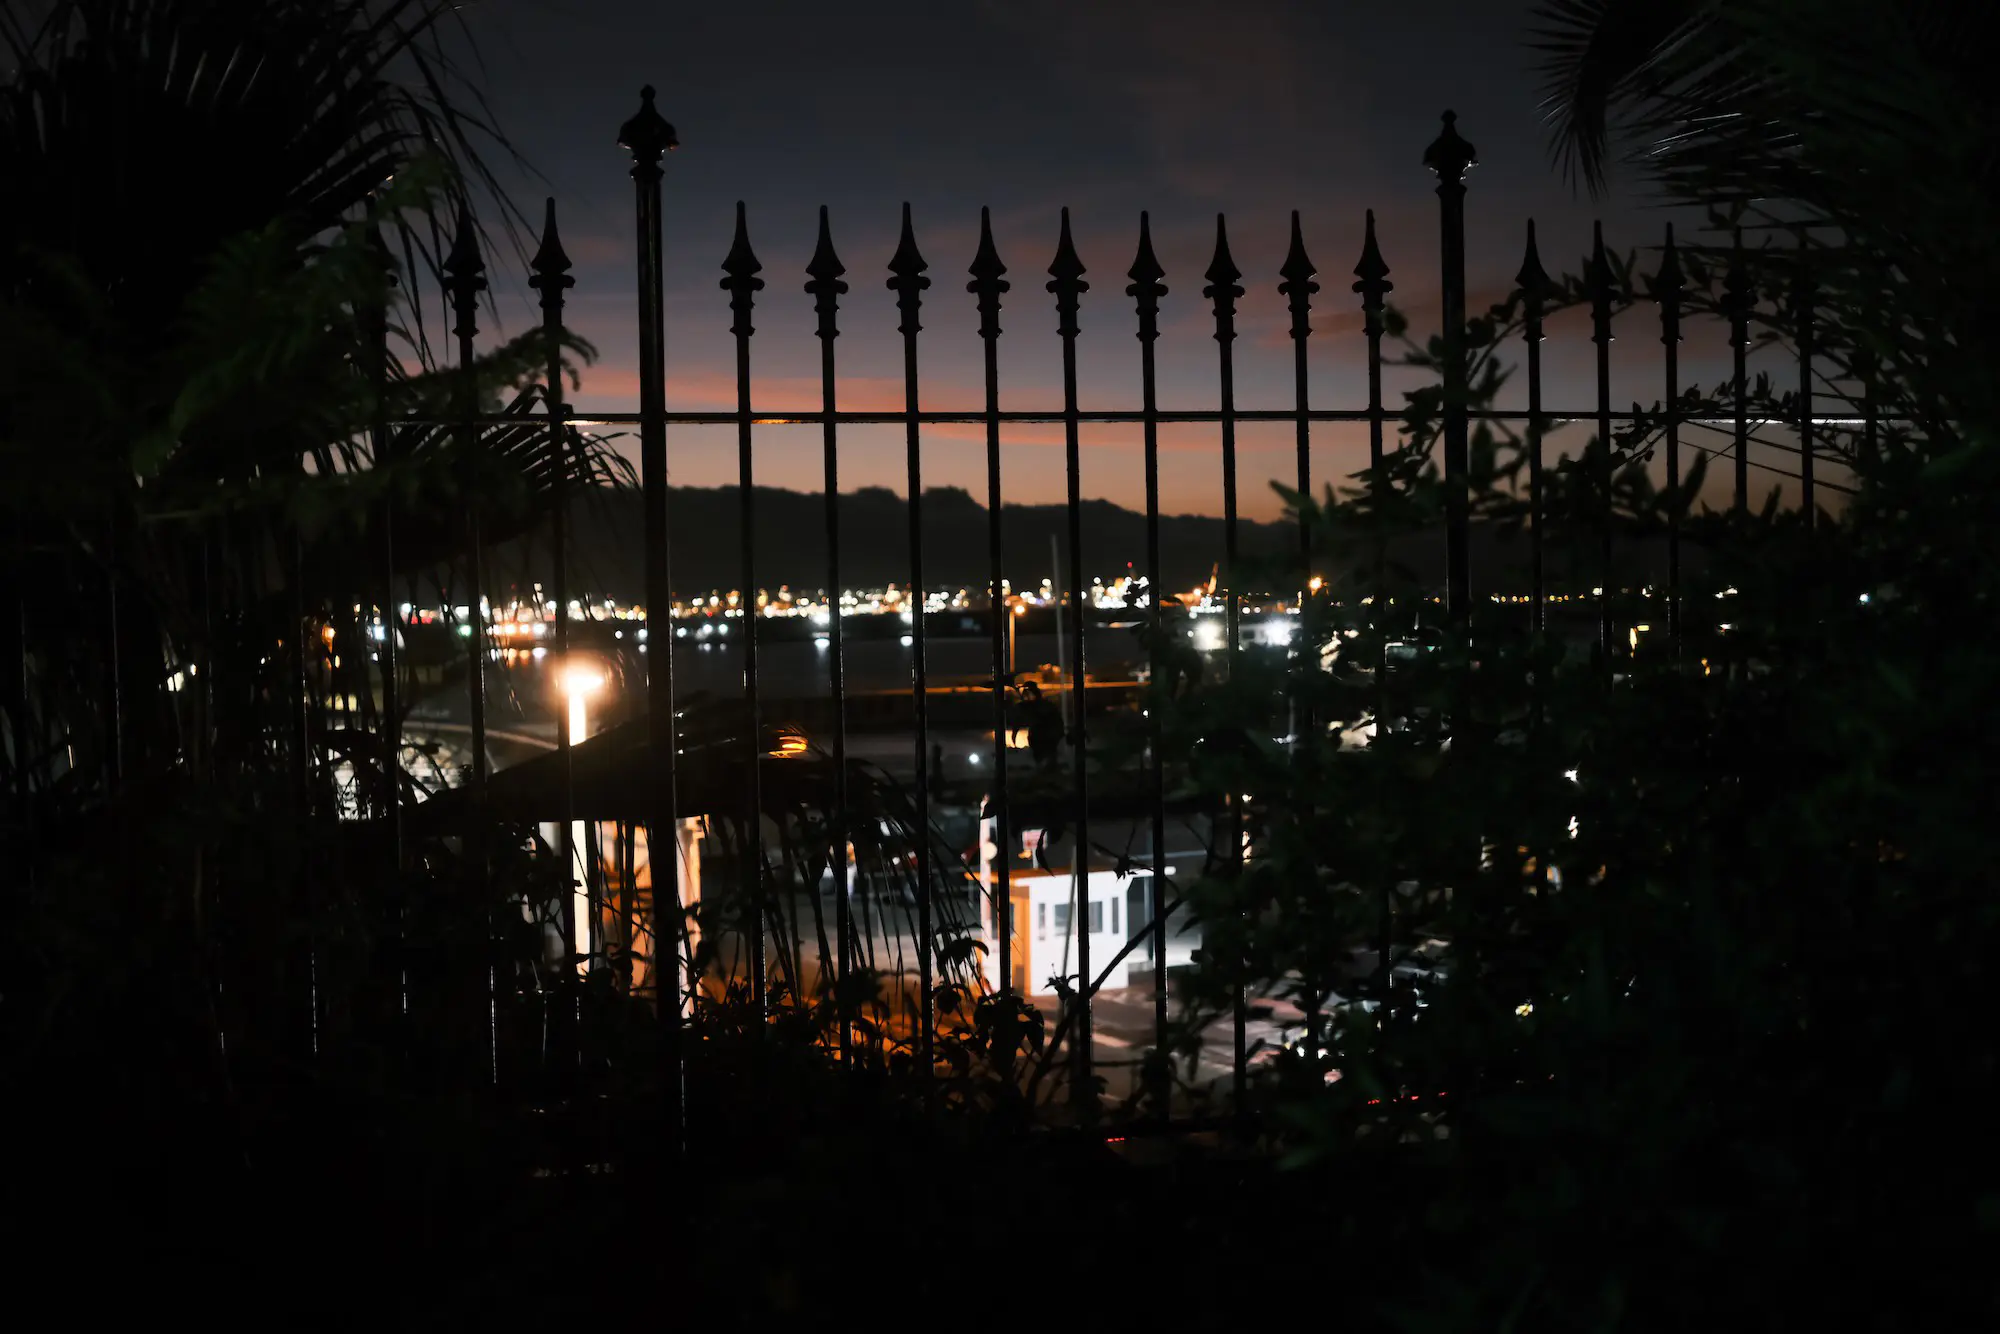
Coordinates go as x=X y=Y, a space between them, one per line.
x=1020 y=610
x=579 y=683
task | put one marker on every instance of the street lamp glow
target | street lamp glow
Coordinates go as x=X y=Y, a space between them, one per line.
x=579 y=683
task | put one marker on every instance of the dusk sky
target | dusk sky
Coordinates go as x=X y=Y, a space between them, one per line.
x=1185 y=108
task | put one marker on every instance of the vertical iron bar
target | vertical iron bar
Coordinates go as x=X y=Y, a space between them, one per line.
x=113 y=549
x=742 y=284
x=908 y=283
x=1223 y=292
x=1371 y=281
x=826 y=288
x=1297 y=287
x=1668 y=288
x=1067 y=285
x=1147 y=289
x=1600 y=318
x=1740 y=298
x=988 y=285
x=464 y=281
x=1802 y=297
x=1534 y=283
x=551 y=276
x=648 y=136
x=1449 y=156
x=376 y=316
x=381 y=442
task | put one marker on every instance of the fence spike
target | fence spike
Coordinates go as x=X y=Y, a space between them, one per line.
x=1371 y=271
x=826 y=287
x=741 y=268
x=1066 y=280
x=1667 y=285
x=1739 y=293
x=1533 y=279
x=987 y=283
x=551 y=264
x=1223 y=288
x=1146 y=287
x=1371 y=278
x=1599 y=279
x=907 y=281
x=1297 y=272
x=465 y=273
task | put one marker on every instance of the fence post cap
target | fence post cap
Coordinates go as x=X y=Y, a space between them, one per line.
x=1449 y=154
x=647 y=134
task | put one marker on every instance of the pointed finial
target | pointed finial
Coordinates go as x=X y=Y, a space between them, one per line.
x=1297 y=272
x=1298 y=269
x=907 y=264
x=1739 y=294
x=907 y=281
x=987 y=283
x=1223 y=288
x=1145 y=272
x=465 y=272
x=1066 y=267
x=1371 y=270
x=1222 y=271
x=1532 y=279
x=550 y=264
x=825 y=269
x=1066 y=281
x=1599 y=278
x=647 y=136
x=378 y=250
x=741 y=268
x=1667 y=290
x=1449 y=154
x=1146 y=287
x=741 y=262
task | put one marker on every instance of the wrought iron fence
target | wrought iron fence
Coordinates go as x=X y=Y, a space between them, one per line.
x=663 y=776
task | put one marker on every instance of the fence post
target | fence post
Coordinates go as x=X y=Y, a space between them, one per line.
x=740 y=269
x=1667 y=287
x=1066 y=284
x=826 y=289
x=464 y=281
x=988 y=285
x=551 y=276
x=1600 y=282
x=648 y=136
x=1534 y=284
x=907 y=281
x=1739 y=300
x=1449 y=156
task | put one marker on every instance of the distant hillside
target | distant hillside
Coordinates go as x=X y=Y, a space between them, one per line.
x=608 y=548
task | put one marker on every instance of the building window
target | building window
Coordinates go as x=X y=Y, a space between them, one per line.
x=1041 y=921
x=1096 y=916
x=1062 y=918
x=1114 y=916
